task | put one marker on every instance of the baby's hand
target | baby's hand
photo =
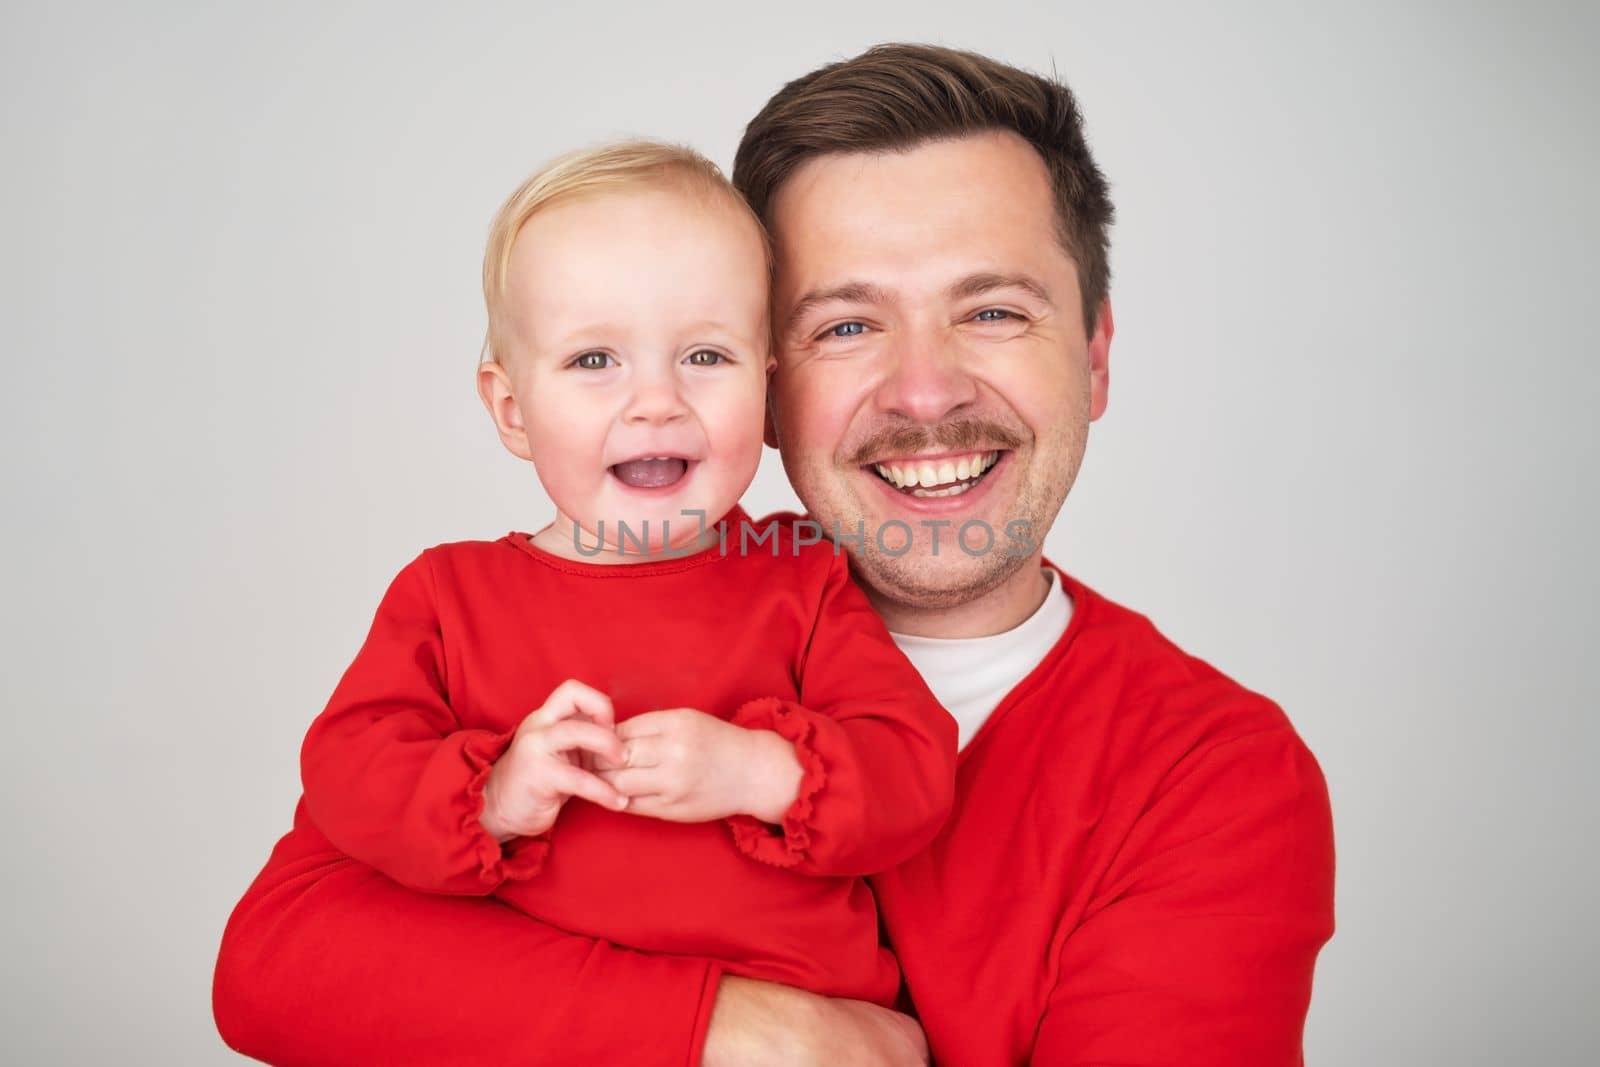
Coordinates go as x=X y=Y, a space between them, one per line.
x=683 y=765
x=546 y=763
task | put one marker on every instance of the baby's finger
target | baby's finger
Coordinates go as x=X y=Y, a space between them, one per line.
x=572 y=698
x=642 y=751
x=649 y=724
x=631 y=781
x=656 y=806
x=573 y=782
x=570 y=734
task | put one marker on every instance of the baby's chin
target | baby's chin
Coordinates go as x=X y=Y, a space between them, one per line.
x=649 y=519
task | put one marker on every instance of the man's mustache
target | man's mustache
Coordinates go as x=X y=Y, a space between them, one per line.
x=954 y=435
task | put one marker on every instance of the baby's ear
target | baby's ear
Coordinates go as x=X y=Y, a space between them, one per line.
x=769 y=427
x=769 y=430
x=494 y=389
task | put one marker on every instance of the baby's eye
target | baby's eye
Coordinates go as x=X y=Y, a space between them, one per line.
x=993 y=315
x=706 y=358
x=847 y=329
x=593 y=361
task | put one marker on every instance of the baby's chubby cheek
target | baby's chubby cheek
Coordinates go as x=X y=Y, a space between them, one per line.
x=733 y=439
x=733 y=455
x=568 y=457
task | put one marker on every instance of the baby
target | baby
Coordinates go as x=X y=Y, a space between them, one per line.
x=652 y=722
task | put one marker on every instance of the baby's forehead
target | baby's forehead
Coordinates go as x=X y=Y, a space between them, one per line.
x=642 y=262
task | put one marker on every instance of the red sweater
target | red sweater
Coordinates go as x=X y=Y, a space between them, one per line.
x=1138 y=871
x=472 y=636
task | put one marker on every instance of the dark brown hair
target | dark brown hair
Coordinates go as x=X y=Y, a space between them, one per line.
x=895 y=97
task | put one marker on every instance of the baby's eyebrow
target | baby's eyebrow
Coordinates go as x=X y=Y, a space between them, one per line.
x=847 y=293
x=707 y=326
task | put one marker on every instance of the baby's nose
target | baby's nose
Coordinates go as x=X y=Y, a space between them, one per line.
x=655 y=401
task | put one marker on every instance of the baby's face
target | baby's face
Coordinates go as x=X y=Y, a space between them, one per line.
x=636 y=324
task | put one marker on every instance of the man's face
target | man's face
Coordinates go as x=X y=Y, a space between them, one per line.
x=929 y=328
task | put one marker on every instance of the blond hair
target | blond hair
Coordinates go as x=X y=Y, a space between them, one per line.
x=636 y=164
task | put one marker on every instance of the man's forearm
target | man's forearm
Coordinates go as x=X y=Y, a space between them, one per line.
x=329 y=963
x=763 y=1024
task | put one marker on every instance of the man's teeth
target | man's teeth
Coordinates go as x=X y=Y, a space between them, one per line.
x=947 y=474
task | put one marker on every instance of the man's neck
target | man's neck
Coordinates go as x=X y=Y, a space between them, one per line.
x=1002 y=608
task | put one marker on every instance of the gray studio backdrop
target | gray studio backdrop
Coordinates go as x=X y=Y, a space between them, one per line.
x=1348 y=456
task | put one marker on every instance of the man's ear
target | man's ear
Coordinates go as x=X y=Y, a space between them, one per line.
x=1100 y=360
x=494 y=389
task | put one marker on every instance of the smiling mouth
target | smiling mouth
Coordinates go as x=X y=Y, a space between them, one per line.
x=945 y=476
x=651 y=472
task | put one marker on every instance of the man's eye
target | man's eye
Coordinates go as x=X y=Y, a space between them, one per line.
x=847 y=329
x=706 y=358
x=993 y=315
x=593 y=361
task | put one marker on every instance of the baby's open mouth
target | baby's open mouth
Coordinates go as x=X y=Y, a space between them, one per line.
x=651 y=472
x=944 y=476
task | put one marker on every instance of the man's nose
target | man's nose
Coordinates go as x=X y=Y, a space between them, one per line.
x=927 y=380
x=655 y=398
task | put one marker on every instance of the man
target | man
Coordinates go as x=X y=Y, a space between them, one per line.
x=1139 y=866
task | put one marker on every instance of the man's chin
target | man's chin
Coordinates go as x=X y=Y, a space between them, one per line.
x=923 y=579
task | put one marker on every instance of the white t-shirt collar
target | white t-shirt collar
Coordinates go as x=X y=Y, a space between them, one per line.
x=972 y=675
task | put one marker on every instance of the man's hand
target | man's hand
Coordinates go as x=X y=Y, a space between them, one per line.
x=548 y=762
x=761 y=1024
x=683 y=765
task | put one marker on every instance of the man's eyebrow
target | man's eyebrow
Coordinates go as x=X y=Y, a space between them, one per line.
x=847 y=293
x=978 y=284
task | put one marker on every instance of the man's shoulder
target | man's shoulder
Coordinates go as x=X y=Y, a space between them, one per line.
x=1118 y=672
x=1148 y=726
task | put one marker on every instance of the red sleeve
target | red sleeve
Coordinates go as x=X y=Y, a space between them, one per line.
x=391 y=777
x=876 y=749
x=327 y=963
x=1202 y=950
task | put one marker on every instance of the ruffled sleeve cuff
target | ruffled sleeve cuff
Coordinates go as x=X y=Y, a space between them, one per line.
x=519 y=857
x=783 y=845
